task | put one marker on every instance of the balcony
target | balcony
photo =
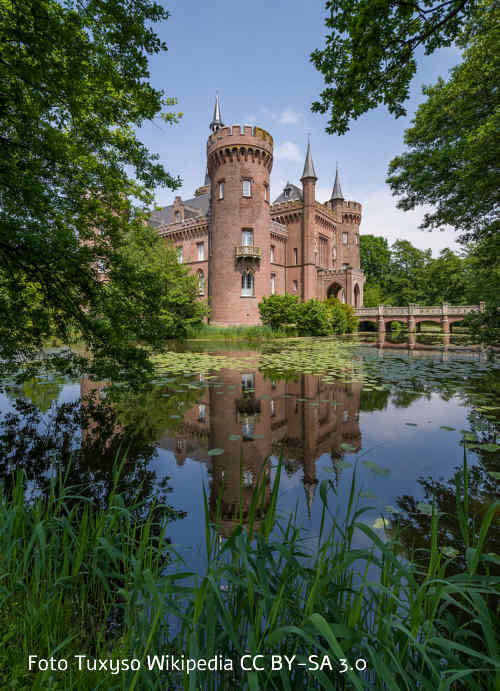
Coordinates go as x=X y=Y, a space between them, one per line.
x=247 y=251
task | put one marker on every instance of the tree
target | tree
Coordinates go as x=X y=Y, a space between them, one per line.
x=454 y=147
x=445 y=279
x=375 y=258
x=277 y=310
x=369 y=57
x=406 y=280
x=74 y=88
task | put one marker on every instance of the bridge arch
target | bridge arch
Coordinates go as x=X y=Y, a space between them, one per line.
x=357 y=296
x=335 y=290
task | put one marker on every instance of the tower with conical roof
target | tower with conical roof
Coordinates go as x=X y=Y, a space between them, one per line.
x=309 y=242
x=337 y=189
x=216 y=123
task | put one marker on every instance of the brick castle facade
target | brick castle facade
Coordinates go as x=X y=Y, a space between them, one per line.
x=242 y=247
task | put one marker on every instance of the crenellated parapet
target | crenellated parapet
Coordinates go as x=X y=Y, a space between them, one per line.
x=239 y=143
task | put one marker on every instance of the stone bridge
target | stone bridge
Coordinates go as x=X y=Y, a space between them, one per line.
x=412 y=315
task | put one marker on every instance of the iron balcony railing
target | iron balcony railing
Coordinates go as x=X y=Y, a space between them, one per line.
x=247 y=251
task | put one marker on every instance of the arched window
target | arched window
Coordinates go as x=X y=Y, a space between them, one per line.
x=247 y=284
x=201 y=282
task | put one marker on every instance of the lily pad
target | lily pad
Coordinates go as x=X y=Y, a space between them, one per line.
x=448 y=429
x=425 y=508
x=411 y=424
x=491 y=448
x=215 y=452
x=380 y=523
x=377 y=469
x=347 y=447
x=234 y=437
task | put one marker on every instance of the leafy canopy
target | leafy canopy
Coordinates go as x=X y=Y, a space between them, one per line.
x=369 y=56
x=75 y=86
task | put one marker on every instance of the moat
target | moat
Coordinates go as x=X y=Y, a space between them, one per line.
x=220 y=418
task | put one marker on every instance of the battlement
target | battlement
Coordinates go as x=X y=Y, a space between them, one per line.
x=240 y=135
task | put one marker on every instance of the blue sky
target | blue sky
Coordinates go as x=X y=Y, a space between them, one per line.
x=257 y=56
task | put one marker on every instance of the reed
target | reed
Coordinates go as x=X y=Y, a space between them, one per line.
x=75 y=578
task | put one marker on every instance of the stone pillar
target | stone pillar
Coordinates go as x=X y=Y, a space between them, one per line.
x=444 y=318
x=411 y=318
x=412 y=340
x=482 y=306
x=381 y=323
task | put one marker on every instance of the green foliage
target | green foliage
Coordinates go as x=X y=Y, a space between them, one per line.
x=375 y=257
x=454 y=147
x=313 y=319
x=485 y=326
x=369 y=56
x=342 y=317
x=75 y=90
x=276 y=310
x=78 y=577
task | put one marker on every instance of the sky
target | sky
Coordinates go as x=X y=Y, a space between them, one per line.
x=257 y=56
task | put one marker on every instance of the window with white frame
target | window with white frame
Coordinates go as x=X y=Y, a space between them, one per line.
x=295 y=255
x=201 y=251
x=221 y=190
x=266 y=192
x=271 y=254
x=247 y=188
x=247 y=382
x=179 y=254
x=273 y=409
x=247 y=237
x=345 y=238
x=202 y=412
x=295 y=286
x=273 y=284
x=247 y=284
x=177 y=216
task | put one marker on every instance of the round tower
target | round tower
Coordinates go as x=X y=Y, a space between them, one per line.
x=240 y=159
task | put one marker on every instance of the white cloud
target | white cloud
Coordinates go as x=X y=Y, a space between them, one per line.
x=288 y=151
x=382 y=217
x=290 y=117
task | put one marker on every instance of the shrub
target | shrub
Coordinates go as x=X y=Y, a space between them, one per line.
x=313 y=319
x=342 y=317
x=277 y=310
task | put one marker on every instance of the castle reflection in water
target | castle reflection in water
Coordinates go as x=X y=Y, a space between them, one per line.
x=252 y=418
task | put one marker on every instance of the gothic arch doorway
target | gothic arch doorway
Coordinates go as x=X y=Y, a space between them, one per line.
x=357 y=296
x=334 y=291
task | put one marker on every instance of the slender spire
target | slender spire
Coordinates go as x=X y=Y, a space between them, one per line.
x=337 y=189
x=216 y=120
x=309 y=171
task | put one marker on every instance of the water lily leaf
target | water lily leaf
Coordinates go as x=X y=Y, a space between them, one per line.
x=234 y=437
x=367 y=495
x=411 y=424
x=494 y=475
x=377 y=469
x=380 y=523
x=392 y=509
x=175 y=417
x=347 y=447
x=489 y=447
x=425 y=508
x=256 y=436
x=215 y=452
x=448 y=429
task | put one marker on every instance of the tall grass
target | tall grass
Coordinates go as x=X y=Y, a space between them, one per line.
x=236 y=333
x=77 y=579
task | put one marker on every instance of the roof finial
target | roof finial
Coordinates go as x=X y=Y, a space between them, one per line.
x=309 y=171
x=216 y=120
x=337 y=189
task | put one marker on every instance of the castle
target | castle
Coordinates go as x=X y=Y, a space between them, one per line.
x=242 y=247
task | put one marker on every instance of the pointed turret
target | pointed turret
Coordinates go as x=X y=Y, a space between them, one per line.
x=337 y=189
x=310 y=490
x=216 y=123
x=309 y=171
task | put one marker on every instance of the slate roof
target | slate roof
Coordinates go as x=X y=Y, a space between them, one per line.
x=295 y=193
x=309 y=171
x=197 y=206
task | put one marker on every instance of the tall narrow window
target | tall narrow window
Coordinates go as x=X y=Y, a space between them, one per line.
x=295 y=286
x=202 y=412
x=201 y=283
x=201 y=251
x=273 y=284
x=247 y=188
x=247 y=237
x=247 y=284
x=345 y=238
x=266 y=192
x=221 y=190
x=271 y=254
x=179 y=254
x=177 y=216
x=295 y=255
